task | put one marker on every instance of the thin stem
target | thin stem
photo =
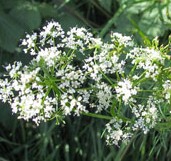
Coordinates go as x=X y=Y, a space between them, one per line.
x=99 y=116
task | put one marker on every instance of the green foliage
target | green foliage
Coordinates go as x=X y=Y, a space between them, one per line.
x=14 y=22
x=152 y=18
x=18 y=17
x=26 y=15
x=9 y=35
x=75 y=140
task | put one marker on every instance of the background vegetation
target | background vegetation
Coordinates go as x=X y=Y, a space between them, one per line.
x=80 y=138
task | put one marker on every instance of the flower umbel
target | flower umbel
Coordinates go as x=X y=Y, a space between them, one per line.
x=75 y=73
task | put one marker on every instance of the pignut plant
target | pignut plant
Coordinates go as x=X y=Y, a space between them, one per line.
x=76 y=73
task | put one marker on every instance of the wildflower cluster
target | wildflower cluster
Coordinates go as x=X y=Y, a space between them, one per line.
x=74 y=73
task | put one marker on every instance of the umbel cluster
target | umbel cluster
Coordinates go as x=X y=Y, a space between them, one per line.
x=75 y=73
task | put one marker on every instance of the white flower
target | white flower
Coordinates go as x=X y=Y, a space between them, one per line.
x=72 y=104
x=31 y=106
x=14 y=70
x=5 y=91
x=122 y=40
x=95 y=43
x=49 y=55
x=146 y=116
x=116 y=133
x=147 y=59
x=104 y=96
x=30 y=41
x=167 y=90
x=125 y=90
x=52 y=30
x=77 y=38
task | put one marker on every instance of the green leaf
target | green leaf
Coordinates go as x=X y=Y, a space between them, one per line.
x=106 y=4
x=151 y=23
x=10 y=32
x=46 y=10
x=8 y=4
x=68 y=21
x=26 y=15
x=22 y=17
x=149 y=18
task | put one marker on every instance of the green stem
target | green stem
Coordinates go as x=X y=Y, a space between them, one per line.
x=107 y=78
x=123 y=150
x=99 y=116
x=112 y=21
